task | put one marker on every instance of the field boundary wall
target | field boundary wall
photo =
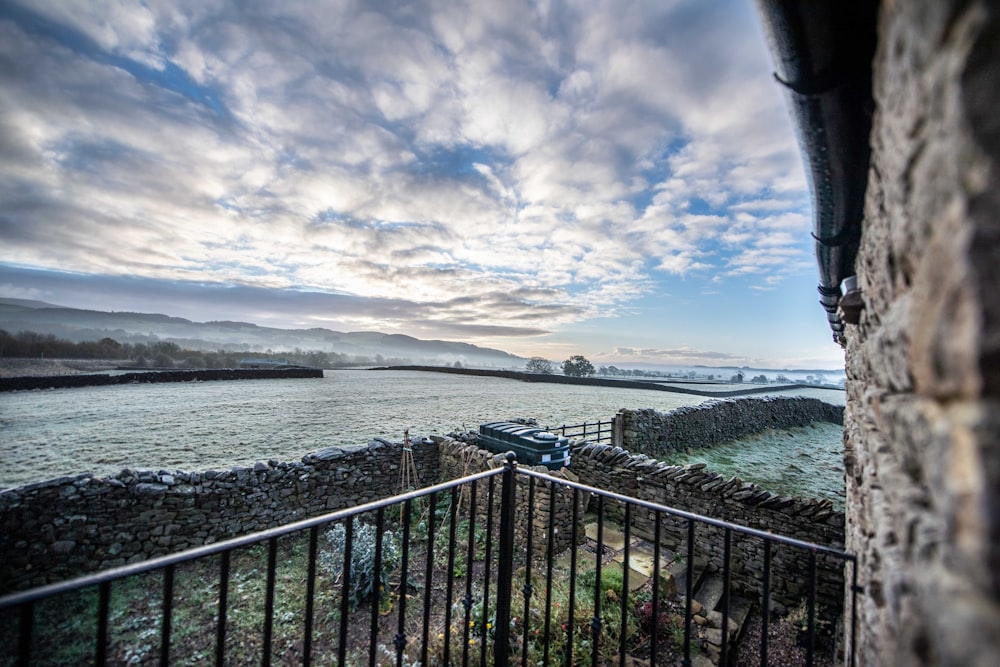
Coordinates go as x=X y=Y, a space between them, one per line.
x=73 y=525
x=714 y=422
x=30 y=383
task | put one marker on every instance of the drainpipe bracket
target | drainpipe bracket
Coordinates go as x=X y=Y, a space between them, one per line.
x=852 y=302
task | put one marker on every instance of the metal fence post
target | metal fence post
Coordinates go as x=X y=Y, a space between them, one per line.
x=505 y=566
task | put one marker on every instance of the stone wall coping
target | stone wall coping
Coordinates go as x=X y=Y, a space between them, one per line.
x=130 y=478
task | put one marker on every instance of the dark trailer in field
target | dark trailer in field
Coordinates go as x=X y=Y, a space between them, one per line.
x=533 y=446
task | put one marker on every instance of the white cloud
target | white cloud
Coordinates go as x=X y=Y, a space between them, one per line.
x=118 y=26
x=438 y=152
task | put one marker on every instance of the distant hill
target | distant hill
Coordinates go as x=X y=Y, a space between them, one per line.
x=82 y=325
x=27 y=303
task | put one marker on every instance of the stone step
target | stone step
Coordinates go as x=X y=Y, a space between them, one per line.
x=710 y=592
x=699 y=660
x=739 y=609
x=679 y=570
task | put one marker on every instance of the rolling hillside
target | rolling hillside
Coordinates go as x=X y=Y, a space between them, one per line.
x=81 y=325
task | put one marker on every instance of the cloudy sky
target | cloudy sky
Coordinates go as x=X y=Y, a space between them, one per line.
x=612 y=178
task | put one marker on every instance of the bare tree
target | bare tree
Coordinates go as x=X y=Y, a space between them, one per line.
x=539 y=365
x=577 y=366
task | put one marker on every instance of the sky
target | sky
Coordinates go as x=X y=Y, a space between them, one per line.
x=609 y=178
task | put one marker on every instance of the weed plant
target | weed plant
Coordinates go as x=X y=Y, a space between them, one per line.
x=363 y=580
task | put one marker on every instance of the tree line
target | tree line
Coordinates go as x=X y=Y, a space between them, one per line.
x=33 y=345
x=579 y=366
x=167 y=354
x=575 y=366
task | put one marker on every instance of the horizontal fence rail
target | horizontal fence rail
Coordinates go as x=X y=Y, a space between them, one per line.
x=509 y=566
x=598 y=431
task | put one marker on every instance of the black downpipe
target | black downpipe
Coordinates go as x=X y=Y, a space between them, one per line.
x=823 y=50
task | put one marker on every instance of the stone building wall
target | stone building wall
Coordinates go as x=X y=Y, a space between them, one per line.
x=923 y=363
x=694 y=489
x=73 y=525
x=714 y=422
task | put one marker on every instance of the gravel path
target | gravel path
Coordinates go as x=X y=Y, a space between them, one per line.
x=782 y=648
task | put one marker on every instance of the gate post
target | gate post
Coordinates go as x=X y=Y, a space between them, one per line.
x=505 y=565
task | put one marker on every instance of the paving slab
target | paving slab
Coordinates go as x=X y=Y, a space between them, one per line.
x=584 y=560
x=612 y=537
x=641 y=558
x=636 y=580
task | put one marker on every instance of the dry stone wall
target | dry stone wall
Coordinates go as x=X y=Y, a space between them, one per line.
x=28 y=383
x=714 y=422
x=694 y=489
x=923 y=363
x=73 y=525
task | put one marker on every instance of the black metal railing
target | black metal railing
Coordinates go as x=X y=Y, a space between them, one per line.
x=481 y=570
x=598 y=431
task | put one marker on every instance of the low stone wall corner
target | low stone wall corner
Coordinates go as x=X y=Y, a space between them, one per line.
x=714 y=422
x=694 y=488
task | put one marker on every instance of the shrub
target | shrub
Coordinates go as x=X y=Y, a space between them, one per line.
x=612 y=581
x=194 y=362
x=163 y=361
x=610 y=592
x=798 y=618
x=364 y=580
